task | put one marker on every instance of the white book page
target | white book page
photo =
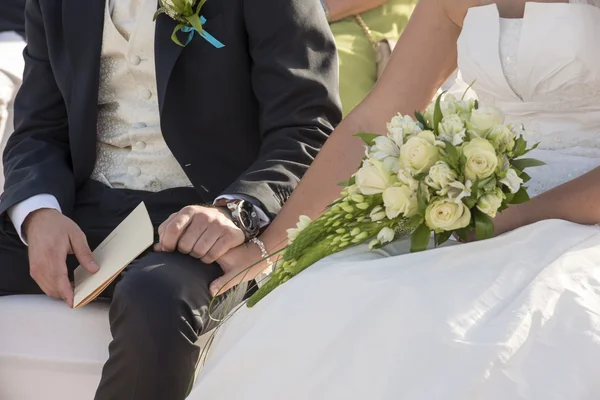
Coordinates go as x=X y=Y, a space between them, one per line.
x=130 y=239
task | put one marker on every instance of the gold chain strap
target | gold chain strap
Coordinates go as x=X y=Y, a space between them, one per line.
x=361 y=22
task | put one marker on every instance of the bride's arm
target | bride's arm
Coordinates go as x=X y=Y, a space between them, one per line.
x=576 y=201
x=424 y=57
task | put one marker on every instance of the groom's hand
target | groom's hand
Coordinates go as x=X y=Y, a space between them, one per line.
x=51 y=236
x=202 y=232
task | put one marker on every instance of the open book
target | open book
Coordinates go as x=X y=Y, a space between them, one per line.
x=130 y=239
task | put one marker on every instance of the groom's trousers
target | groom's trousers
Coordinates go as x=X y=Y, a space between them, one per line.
x=159 y=306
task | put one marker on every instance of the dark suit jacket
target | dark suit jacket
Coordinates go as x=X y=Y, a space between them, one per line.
x=244 y=119
x=12 y=16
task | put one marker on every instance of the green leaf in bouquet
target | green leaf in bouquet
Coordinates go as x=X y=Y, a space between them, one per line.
x=484 y=226
x=467 y=89
x=421 y=176
x=521 y=196
x=469 y=201
x=520 y=147
x=413 y=222
x=508 y=196
x=368 y=138
x=419 y=240
x=525 y=176
x=442 y=237
x=452 y=155
x=421 y=119
x=348 y=182
x=532 y=148
x=421 y=199
x=463 y=233
x=437 y=112
x=523 y=163
x=502 y=207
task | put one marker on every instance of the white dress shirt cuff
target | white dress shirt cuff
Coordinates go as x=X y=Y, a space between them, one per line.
x=20 y=211
x=264 y=219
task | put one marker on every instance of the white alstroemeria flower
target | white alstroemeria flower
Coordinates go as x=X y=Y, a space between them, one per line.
x=512 y=180
x=402 y=127
x=456 y=191
x=392 y=164
x=302 y=224
x=383 y=148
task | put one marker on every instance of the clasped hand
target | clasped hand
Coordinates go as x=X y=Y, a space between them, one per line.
x=206 y=233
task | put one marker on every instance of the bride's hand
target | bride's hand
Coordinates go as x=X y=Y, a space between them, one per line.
x=239 y=265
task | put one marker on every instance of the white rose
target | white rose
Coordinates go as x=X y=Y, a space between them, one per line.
x=456 y=191
x=302 y=224
x=373 y=178
x=512 y=180
x=383 y=148
x=502 y=138
x=406 y=178
x=484 y=118
x=490 y=202
x=400 y=127
x=481 y=159
x=452 y=129
x=419 y=152
x=385 y=235
x=447 y=215
x=400 y=200
x=440 y=176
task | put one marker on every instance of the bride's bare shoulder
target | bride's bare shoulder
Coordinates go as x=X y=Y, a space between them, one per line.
x=457 y=9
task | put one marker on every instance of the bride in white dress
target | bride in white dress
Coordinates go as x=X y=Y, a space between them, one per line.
x=514 y=317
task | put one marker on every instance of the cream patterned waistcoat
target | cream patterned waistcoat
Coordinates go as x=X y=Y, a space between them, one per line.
x=131 y=150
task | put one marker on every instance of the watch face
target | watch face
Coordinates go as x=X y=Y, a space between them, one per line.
x=248 y=217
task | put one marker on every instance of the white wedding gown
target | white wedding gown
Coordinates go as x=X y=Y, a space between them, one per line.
x=514 y=317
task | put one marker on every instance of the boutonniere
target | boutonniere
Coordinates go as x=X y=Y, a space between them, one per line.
x=187 y=13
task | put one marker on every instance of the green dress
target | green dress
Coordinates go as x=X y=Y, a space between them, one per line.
x=358 y=69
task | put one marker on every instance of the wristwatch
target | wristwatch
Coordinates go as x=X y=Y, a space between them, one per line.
x=243 y=215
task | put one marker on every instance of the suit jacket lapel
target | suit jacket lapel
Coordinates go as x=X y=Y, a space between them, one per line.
x=83 y=23
x=165 y=54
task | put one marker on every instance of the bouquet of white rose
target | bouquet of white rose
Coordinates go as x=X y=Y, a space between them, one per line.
x=449 y=172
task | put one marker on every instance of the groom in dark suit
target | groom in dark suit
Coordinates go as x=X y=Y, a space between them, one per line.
x=213 y=137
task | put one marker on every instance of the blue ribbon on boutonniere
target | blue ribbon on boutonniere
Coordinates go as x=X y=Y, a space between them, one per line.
x=207 y=36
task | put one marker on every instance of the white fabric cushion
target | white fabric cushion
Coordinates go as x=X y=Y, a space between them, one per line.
x=50 y=352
